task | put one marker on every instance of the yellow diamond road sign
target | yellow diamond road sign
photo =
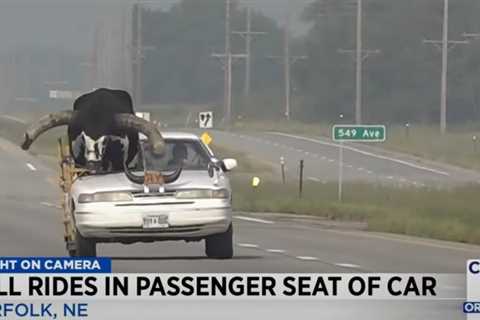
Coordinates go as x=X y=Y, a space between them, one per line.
x=206 y=138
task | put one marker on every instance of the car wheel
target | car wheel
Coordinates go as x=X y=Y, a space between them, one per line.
x=85 y=247
x=220 y=246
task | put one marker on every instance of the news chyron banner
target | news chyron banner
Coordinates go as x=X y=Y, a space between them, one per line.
x=472 y=305
x=86 y=288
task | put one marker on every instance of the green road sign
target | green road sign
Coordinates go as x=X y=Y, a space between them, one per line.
x=359 y=133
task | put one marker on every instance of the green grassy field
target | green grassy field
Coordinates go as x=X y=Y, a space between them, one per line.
x=448 y=215
x=431 y=213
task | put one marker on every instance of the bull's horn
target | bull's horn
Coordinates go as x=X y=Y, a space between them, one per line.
x=141 y=179
x=129 y=121
x=173 y=177
x=44 y=124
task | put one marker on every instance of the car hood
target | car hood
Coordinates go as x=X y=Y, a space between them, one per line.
x=118 y=182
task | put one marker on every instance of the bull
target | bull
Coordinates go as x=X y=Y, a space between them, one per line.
x=102 y=132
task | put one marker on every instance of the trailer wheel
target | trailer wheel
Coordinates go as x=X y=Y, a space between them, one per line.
x=85 y=246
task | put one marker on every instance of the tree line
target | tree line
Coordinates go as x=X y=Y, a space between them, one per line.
x=401 y=84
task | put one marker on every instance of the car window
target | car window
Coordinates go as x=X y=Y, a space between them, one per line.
x=189 y=154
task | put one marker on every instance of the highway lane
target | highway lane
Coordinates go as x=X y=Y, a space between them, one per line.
x=361 y=163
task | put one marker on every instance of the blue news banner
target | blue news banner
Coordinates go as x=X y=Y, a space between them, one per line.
x=39 y=271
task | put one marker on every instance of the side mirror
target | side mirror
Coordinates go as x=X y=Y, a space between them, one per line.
x=229 y=164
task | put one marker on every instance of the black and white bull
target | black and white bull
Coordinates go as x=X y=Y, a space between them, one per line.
x=102 y=131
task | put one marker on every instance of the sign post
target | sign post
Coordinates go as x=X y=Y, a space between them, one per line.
x=354 y=133
x=340 y=172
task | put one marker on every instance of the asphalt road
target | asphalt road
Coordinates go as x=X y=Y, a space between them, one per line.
x=360 y=162
x=30 y=225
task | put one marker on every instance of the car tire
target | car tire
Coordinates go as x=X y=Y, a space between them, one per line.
x=220 y=246
x=85 y=247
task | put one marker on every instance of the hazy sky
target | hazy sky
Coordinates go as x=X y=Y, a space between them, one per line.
x=70 y=23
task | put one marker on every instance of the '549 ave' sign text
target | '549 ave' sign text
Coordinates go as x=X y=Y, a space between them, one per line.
x=359 y=133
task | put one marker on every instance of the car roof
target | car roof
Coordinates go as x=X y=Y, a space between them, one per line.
x=179 y=135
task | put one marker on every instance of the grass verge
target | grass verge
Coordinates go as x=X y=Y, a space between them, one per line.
x=431 y=213
x=441 y=214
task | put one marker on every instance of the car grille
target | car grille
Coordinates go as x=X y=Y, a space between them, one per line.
x=170 y=194
x=192 y=228
x=174 y=203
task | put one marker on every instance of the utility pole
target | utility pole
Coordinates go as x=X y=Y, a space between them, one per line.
x=287 y=64
x=228 y=67
x=139 y=50
x=138 y=56
x=227 y=59
x=444 y=46
x=287 y=61
x=360 y=55
x=247 y=35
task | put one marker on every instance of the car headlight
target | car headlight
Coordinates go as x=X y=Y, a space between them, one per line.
x=203 y=194
x=105 y=197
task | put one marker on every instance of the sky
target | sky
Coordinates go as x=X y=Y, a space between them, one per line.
x=70 y=23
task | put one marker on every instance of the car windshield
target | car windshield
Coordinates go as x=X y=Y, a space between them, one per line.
x=189 y=154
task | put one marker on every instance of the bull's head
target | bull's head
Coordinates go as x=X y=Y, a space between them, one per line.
x=94 y=148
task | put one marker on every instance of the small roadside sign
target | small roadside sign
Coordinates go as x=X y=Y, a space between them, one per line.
x=359 y=133
x=206 y=138
x=354 y=133
x=205 y=120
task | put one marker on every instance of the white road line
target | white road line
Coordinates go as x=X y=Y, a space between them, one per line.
x=370 y=172
x=50 y=205
x=306 y=258
x=390 y=177
x=331 y=160
x=325 y=158
x=348 y=265
x=276 y=251
x=275 y=144
x=366 y=153
x=349 y=166
x=360 y=169
x=14 y=119
x=31 y=167
x=247 y=245
x=249 y=219
x=313 y=179
x=307 y=153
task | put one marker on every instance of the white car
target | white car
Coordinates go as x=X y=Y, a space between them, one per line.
x=197 y=206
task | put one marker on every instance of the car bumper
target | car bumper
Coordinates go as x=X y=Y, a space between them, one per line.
x=121 y=224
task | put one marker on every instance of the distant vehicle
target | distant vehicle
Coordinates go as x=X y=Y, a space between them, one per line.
x=197 y=206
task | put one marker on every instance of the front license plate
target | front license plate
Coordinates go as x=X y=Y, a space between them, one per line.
x=155 y=222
